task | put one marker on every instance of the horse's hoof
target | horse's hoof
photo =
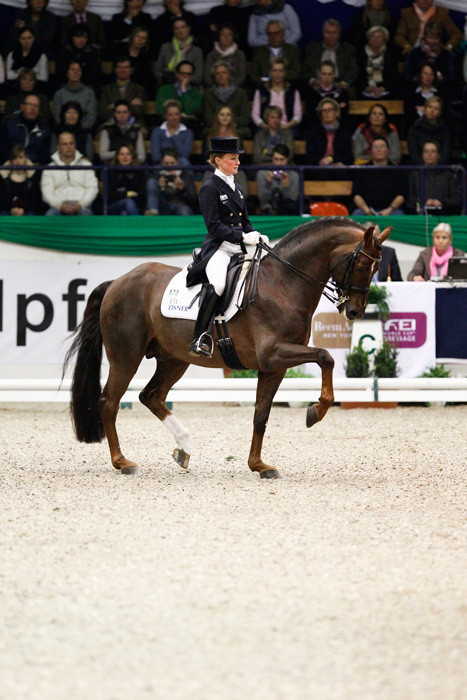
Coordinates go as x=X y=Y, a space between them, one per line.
x=270 y=474
x=130 y=469
x=181 y=457
x=311 y=416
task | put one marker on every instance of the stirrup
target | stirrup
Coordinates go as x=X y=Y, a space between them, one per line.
x=201 y=347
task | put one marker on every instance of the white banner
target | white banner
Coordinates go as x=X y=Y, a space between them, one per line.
x=411 y=325
x=41 y=302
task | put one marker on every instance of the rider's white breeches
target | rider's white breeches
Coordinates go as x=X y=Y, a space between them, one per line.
x=216 y=269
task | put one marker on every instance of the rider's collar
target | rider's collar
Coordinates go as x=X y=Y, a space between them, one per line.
x=229 y=179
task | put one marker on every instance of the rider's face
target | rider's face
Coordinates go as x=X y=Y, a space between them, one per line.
x=228 y=164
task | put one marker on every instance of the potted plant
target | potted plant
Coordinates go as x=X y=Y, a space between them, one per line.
x=385 y=365
x=377 y=303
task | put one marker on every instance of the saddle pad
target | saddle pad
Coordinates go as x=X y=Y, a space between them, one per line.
x=178 y=297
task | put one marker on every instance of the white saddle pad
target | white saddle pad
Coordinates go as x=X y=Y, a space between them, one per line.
x=177 y=299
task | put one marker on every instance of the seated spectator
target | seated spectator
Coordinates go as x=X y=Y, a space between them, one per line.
x=78 y=50
x=418 y=92
x=232 y=14
x=125 y=188
x=430 y=126
x=328 y=142
x=227 y=50
x=324 y=86
x=431 y=50
x=276 y=48
x=27 y=84
x=224 y=92
x=432 y=263
x=19 y=189
x=93 y=22
x=413 y=21
x=121 y=130
x=139 y=54
x=189 y=97
x=442 y=188
x=179 y=48
x=76 y=91
x=163 y=24
x=122 y=24
x=330 y=48
x=172 y=134
x=67 y=191
x=278 y=189
x=378 y=66
x=374 y=14
x=123 y=88
x=270 y=136
x=43 y=23
x=71 y=116
x=378 y=191
x=277 y=92
x=264 y=12
x=223 y=125
x=24 y=129
x=377 y=124
x=172 y=192
x=27 y=53
x=388 y=268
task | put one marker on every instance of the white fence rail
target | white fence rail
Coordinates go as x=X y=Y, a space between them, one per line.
x=243 y=390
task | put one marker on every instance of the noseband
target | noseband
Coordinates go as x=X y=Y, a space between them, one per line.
x=336 y=292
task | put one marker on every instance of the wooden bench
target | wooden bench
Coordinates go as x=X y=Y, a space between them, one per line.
x=394 y=107
x=312 y=188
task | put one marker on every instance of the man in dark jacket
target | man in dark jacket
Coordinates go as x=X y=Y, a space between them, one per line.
x=276 y=47
x=23 y=128
x=341 y=54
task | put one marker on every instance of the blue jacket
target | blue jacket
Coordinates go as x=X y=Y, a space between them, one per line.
x=181 y=141
x=36 y=141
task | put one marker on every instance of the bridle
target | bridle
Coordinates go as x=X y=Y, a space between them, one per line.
x=336 y=292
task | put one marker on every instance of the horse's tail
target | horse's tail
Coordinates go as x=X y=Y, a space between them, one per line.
x=86 y=383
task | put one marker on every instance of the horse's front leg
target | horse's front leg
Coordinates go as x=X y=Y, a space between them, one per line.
x=290 y=355
x=268 y=384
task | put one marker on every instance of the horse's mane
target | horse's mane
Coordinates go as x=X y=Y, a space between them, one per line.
x=317 y=226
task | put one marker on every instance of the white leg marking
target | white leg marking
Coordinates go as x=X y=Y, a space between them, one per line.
x=180 y=433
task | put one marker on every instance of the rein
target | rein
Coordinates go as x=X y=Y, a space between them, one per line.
x=336 y=292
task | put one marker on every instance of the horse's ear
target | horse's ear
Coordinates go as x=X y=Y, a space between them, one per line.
x=384 y=234
x=368 y=236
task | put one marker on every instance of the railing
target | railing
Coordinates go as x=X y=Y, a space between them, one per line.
x=307 y=188
x=207 y=390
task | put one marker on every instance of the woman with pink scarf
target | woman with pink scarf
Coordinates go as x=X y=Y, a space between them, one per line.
x=433 y=261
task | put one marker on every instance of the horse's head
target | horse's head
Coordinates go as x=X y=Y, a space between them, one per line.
x=353 y=273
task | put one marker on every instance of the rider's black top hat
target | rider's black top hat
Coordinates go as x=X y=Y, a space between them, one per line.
x=225 y=144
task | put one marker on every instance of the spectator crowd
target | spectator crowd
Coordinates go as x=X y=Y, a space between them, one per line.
x=241 y=71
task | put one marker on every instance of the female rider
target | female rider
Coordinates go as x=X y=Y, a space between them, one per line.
x=223 y=207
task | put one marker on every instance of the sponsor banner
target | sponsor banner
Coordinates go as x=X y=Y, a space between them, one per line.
x=42 y=302
x=411 y=325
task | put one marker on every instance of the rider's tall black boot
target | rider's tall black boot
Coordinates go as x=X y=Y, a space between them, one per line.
x=202 y=343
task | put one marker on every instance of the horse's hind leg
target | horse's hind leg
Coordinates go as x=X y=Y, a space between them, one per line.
x=153 y=396
x=109 y=403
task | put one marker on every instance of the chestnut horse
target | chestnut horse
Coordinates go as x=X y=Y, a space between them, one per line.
x=270 y=334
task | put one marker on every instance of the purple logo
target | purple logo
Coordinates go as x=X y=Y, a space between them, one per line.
x=407 y=329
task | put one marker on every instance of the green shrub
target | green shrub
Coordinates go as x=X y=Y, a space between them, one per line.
x=379 y=296
x=386 y=360
x=438 y=371
x=358 y=362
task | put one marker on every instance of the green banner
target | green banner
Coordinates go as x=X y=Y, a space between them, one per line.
x=173 y=235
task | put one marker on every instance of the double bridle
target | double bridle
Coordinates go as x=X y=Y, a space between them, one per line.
x=336 y=292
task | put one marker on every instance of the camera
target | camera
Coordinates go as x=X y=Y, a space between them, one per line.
x=279 y=174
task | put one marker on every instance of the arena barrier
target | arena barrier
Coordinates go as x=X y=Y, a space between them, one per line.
x=205 y=390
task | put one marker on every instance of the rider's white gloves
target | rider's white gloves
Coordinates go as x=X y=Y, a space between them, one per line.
x=251 y=238
x=264 y=239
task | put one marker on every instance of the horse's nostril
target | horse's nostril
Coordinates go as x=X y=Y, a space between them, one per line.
x=351 y=315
